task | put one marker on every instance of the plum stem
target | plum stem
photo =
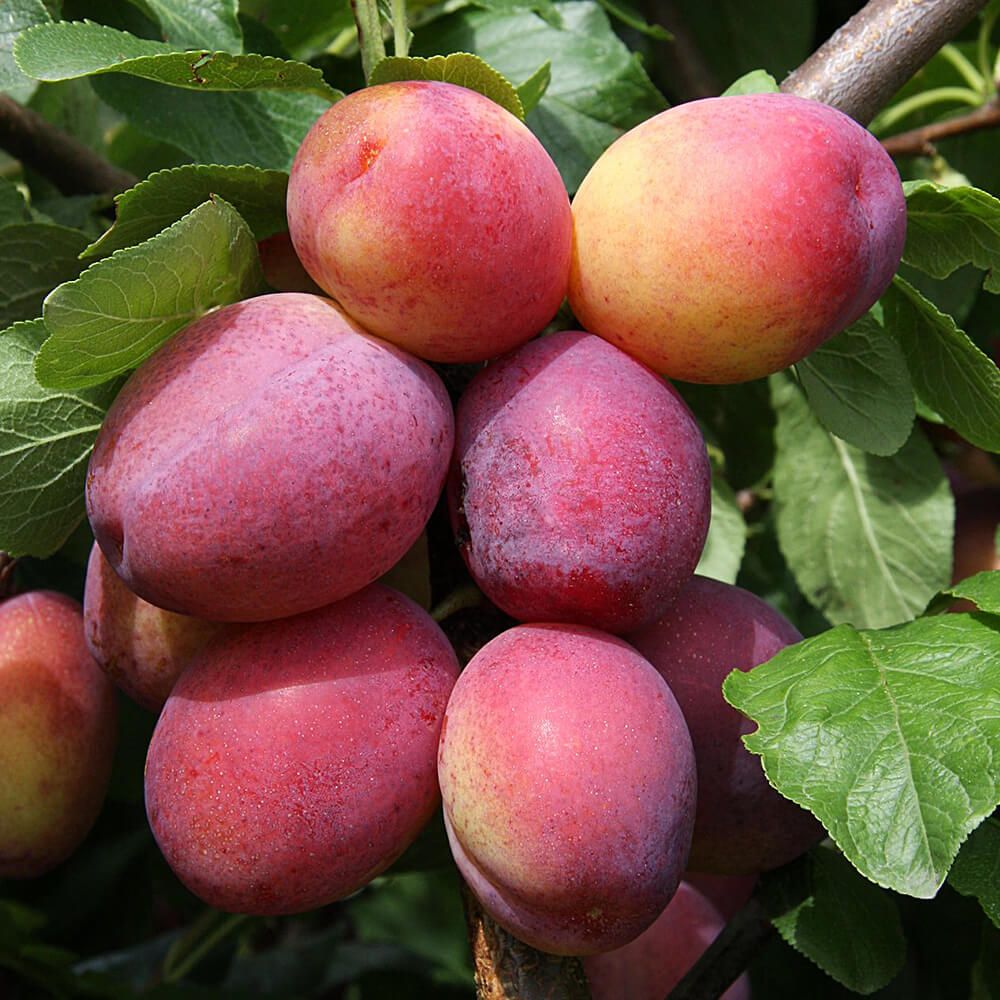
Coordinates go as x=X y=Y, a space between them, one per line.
x=400 y=29
x=920 y=141
x=925 y=99
x=461 y=598
x=370 y=40
x=203 y=935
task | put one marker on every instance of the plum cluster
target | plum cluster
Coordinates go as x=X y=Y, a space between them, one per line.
x=257 y=476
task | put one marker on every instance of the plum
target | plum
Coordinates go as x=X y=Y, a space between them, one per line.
x=57 y=733
x=434 y=217
x=271 y=458
x=568 y=785
x=295 y=759
x=580 y=487
x=726 y=238
x=743 y=826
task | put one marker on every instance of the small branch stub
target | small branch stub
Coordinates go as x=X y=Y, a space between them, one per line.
x=920 y=141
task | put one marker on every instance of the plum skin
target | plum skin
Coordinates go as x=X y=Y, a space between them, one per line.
x=434 y=217
x=742 y=826
x=295 y=759
x=269 y=459
x=580 y=489
x=727 y=238
x=568 y=785
x=58 y=716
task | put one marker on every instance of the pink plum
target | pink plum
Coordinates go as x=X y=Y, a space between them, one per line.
x=270 y=458
x=726 y=238
x=295 y=759
x=568 y=784
x=434 y=217
x=580 y=487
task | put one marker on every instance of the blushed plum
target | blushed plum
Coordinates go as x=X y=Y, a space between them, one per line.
x=580 y=487
x=649 y=967
x=295 y=759
x=434 y=217
x=726 y=238
x=743 y=825
x=269 y=459
x=141 y=647
x=568 y=784
x=57 y=733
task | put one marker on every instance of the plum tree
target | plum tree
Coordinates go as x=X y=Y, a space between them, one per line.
x=789 y=228
x=295 y=759
x=270 y=459
x=568 y=785
x=57 y=733
x=141 y=647
x=743 y=825
x=580 y=486
x=434 y=217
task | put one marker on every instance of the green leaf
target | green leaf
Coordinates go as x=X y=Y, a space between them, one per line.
x=891 y=738
x=632 y=18
x=461 y=68
x=727 y=535
x=867 y=538
x=948 y=371
x=69 y=49
x=124 y=307
x=195 y=24
x=533 y=89
x=545 y=9
x=162 y=198
x=859 y=387
x=15 y=17
x=976 y=871
x=848 y=927
x=305 y=30
x=13 y=207
x=983 y=590
x=947 y=227
x=45 y=440
x=263 y=129
x=34 y=258
x=757 y=81
x=598 y=90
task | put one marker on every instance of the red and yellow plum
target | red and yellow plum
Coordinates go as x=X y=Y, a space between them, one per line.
x=295 y=759
x=743 y=826
x=725 y=239
x=580 y=487
x=269 y=459
x=568 y=784
x=57 y=733
x=434 y=217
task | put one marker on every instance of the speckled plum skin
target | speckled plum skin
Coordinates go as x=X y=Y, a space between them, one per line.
x=649 y=967
x=743 y=826
x=141 y=647
x=434 y=217
x=725 y=239
x=269 y=459
x=580 y=488
x=295 y=760
x=57 y=733
x=568 y=784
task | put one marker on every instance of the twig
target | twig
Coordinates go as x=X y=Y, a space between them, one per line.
x=920 y=141
x=867 y=60
x=70 y=165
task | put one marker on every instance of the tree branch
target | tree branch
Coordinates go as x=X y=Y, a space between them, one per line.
x=920 y=141
x=867 y=60
x=57 y=156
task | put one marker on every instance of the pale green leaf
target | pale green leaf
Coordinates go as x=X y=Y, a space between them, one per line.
x=533 y=89
x=15 y=17
x=45 y=441
x=757 y=81
x=727 y=535
x=124 y=307
x=976 y=871
x=867 y=538
x=859 y=387
x=891 y=738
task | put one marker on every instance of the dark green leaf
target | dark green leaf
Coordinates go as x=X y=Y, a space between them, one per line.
x=848 y=927
x=461 y=68
x=631 y=17
x=45 y=441
x=13 y=207
x=948 y=371
x=162 y=198
x=983 y=590
x=949 y=227
x=304 y=28
x=891 y=738
x=197 y=24
x=859 y=387
x=976 y=871
x=15 y=17
x=34 y=258
x=757 y=81
x=122 y=308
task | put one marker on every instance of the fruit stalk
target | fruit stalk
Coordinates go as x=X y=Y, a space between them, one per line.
x=370 y=39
